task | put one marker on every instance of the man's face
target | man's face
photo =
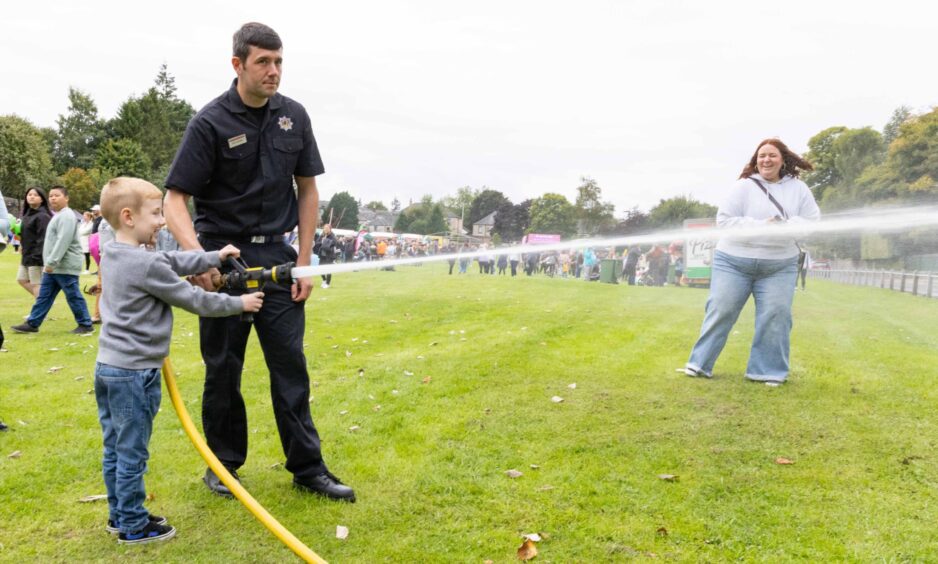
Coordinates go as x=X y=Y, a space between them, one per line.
x=258 y=75
x=57 y=200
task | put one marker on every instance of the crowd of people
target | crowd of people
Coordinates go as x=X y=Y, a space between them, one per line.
x=651 y=266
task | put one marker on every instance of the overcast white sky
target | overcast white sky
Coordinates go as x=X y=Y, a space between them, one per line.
x=651 y=99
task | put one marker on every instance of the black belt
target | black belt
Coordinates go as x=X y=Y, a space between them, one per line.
x=259 y=239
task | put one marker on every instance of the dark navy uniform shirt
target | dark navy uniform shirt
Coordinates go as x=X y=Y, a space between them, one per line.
x=240 y=172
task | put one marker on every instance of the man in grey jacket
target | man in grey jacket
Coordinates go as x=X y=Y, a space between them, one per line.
x=62 y=256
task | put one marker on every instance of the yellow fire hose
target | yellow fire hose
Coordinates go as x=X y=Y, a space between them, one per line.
x=219 y=469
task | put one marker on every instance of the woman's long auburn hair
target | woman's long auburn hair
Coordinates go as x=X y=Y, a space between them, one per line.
x=792 y=164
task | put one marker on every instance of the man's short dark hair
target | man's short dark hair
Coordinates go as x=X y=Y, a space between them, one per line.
x=61 y=189
x=256 y=34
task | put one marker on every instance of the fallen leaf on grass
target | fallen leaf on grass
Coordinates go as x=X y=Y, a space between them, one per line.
x=783 y=461
x=354 y=339
x=661 y=532
x=908 y=459
x=534 y=537
x=535 y=467
x=427 y=380
x=276 y=465
x=341 y=532
x=348 y=354
x=668 y=477
x=23 y=423
x=527 y=551
x=392 y=321
x=395 y=392
x=343 y=412
x=513 y=473
x=53 y=349
x=556 y=399
x=361 y=371
x=151 y=497
x=15 y=454
x=408 y=373
x=77 y=378
x=545 y=488
x=335 y=346
x=420 y=357
x=377 y=408
x=572 y=386
x=92 y=498
x=434 y=343
x=54 y=369
x=354 y=428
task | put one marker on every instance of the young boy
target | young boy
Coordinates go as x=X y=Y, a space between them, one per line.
x=140 y=286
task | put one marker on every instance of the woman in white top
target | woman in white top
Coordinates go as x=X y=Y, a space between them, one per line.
x=768 y=191
x=84 y=233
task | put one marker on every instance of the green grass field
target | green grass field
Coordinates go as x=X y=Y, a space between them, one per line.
x=458 y=378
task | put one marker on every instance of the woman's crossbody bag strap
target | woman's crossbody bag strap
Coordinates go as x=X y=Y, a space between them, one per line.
x=801 y=253
x=771 y=197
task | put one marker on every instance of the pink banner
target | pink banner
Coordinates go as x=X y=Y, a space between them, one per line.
x=540 y=239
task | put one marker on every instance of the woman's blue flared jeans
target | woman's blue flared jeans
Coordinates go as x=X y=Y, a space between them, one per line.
x=772 y=285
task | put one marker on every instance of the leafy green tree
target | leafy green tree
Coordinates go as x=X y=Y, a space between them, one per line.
x=123 y=157
x=79 y=133
x=855 y=150
x=594 y=215
x=462 y=201
x=891 y=130
x=553 y=213
x=910 y=167
x=670 y=213
x=485 y=203
x=821 y=155
x=635 y=221
x=84 y=187
x=376 y=205
x=343 y=209
x=156 y=120
x=425 y=217
x=24 y=156
x=512 y=221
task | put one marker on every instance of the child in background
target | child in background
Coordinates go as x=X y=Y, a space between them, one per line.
x=141 y=286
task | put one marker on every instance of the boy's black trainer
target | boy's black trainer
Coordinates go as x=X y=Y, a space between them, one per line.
x=115 y=528
x=151 y=533
x=25 y=328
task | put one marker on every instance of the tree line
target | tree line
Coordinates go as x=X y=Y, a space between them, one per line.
x=84 y=150
x=853 y=167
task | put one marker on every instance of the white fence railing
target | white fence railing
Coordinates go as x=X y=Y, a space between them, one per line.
x=915 y=283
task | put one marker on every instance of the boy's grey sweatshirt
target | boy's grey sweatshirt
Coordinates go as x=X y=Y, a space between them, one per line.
x=139 y=288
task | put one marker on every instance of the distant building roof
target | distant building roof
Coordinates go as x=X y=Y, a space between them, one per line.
x=487 y=220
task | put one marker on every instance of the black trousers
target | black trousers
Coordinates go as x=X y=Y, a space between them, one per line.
x=327 y=278
x=280 y=326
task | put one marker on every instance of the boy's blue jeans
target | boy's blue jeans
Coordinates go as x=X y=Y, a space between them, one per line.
x=49 y=289
x=772 y=285
x=128 y=400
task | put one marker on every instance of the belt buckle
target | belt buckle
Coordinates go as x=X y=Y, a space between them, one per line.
x=259 y=239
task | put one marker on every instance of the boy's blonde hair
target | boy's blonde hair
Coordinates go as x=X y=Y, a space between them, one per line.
x=125 y=192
